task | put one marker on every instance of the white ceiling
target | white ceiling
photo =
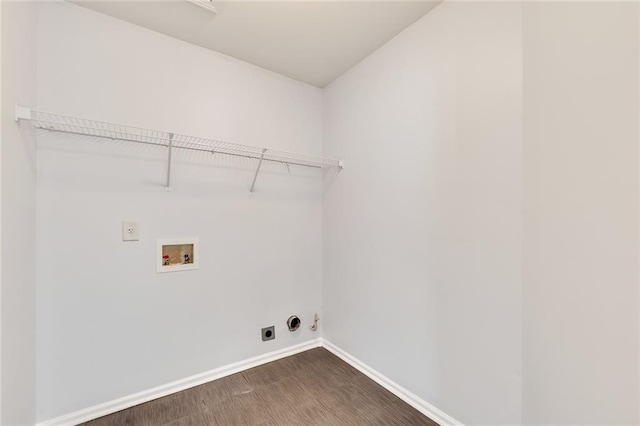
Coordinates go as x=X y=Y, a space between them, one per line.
x=311 y=41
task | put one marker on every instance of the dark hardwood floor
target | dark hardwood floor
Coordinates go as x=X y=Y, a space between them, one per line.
x=311 y=388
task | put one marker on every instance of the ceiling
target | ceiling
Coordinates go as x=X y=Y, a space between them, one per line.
x=310 y=41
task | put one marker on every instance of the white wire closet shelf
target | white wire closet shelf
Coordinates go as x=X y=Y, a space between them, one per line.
x=101 y=129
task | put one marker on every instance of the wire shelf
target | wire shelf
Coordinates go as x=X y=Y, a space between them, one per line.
x=101 y=129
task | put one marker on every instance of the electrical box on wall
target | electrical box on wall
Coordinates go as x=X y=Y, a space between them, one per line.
x=178 y=255
x=130 y=231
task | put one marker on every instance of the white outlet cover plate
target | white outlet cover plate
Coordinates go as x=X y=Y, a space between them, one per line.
x=130 y=231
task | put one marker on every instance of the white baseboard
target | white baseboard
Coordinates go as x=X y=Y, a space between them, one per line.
x=115 y=405
x=179 y=385
x=410 y=398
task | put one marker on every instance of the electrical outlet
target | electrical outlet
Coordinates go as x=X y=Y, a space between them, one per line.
x=130 y=231
x=268 y=333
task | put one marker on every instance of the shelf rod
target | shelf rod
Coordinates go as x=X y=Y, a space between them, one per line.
x=169 y=162
x=257 y=170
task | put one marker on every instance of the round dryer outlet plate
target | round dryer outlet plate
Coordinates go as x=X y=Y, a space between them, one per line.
x=293 y=323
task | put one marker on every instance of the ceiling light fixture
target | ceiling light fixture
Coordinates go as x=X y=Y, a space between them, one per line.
x=205 y=4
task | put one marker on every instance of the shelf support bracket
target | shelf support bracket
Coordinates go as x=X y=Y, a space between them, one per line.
x=168 y=187
x=22 y=113
x=253 y=184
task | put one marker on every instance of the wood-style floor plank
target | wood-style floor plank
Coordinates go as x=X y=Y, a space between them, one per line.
x=311 y=388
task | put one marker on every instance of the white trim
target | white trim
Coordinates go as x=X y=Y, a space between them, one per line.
x=410 y=398
x=115 y=405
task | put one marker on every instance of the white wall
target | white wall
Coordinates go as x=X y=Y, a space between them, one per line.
x=480 y=248
x=581 y=213
x=18 y=216
x=423 y=228
x=486 y=229
x=108 y=325
x=1 y=211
